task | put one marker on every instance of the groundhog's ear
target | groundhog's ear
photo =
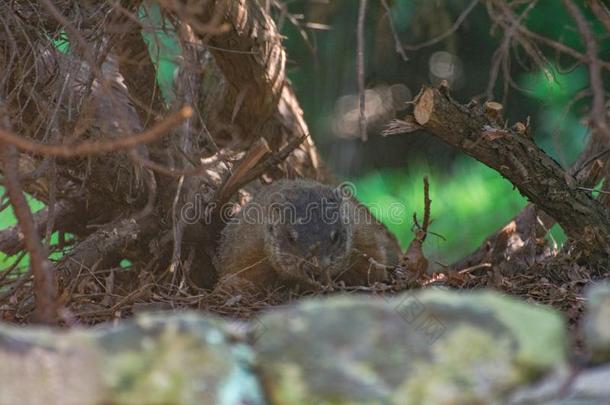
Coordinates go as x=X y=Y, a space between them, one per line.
x=344 y=191
x=336 y=194
x=278 y=197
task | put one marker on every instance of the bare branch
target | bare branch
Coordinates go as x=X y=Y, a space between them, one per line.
x=360 y=69
x=601 y=12
x=44 y=281
x=12 y=239
x=456 y=25
x=519 y=159
x=598 y=109
x=98 y=147
x=398 y=45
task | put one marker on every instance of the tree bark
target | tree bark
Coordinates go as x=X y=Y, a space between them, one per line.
x=516 y=157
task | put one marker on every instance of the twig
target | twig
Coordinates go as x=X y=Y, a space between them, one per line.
x=593 y=190
x=501 y=55
x=595 y=72
x=422 y=230
x=475 y=267
x=45 y=289
x=74 y=35
x=11 y=238
x=4 y=204
x=177 y=228
x=257 y=151
x=399 y=48
x=284 y=13
x=6 y=272
x=16 y=285
x=97 y=147
x=427 y=203
x=413 y=259
x=170 y=172
x=458 y=22
x=374 y=263
x=527 y=34
x=259 y=169
x=601 y=12
x=360 y=68
x=151 y=188
x=591 y=160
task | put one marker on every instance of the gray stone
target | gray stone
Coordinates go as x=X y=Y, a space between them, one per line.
x=597 y=321
x=180 y=358
x=430 y=347
x=588 y=387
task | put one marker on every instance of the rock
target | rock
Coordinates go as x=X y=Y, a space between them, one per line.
x=597 y=322
x=156 y=359
x=588 y=387
x=430 y=347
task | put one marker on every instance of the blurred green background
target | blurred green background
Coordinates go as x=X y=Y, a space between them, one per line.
x=469 y=201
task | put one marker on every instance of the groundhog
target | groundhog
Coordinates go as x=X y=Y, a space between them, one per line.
x=300 y=233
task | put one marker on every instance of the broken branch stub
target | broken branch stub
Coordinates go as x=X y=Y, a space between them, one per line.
x=423 y=107
x=517 y=158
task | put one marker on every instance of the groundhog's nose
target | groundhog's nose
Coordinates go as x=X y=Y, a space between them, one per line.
x=318 y=261
x=314 y=249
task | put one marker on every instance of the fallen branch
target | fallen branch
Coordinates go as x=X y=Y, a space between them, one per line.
x=106 y=244
x=512 y=241
x=521 y=161
x=12 y=239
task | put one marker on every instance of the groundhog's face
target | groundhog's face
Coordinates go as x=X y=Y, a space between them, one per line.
x=308 y=235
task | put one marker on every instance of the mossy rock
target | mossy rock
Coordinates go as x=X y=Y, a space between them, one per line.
x=429 y=347
x=180 y=358
x=597 y=322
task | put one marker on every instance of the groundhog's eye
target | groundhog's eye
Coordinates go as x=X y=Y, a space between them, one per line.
x=334 y=236
x=292 y=236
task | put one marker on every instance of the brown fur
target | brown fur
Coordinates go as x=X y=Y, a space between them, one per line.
x=245 y=253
